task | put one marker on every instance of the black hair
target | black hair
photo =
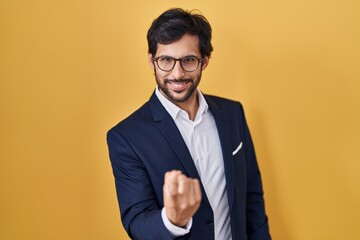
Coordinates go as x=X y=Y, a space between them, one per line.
x=171 y=25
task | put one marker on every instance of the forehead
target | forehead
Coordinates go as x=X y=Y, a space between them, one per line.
x=185 y=46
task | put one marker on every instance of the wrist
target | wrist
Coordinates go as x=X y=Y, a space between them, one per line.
x=174 y=230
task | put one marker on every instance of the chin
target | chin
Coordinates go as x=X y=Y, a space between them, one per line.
x=180 y=97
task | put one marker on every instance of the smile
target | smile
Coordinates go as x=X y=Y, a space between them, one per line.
x=178 y=85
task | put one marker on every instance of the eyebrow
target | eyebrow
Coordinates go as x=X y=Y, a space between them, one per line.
x=191 y=55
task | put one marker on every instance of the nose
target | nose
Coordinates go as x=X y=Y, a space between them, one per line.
x=177 y=72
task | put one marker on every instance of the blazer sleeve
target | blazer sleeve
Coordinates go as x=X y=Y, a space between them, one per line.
x=140 y=211
x=257 y=227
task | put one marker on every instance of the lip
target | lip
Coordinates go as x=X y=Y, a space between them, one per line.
x=178 y=86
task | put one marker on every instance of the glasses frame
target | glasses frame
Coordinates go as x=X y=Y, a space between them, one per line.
x=200 y=60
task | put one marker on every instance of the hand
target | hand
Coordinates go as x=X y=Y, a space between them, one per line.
x=182 y=197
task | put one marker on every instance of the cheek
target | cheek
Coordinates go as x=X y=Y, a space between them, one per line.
x=160 y=75
x=164 y=75
x=197 y=76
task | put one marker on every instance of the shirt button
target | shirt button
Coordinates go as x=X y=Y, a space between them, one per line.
x=210 y=222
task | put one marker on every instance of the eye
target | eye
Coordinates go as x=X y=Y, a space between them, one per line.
x=189 y=59
x=165 y=59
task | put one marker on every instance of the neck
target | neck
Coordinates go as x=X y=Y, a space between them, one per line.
x=190 y=106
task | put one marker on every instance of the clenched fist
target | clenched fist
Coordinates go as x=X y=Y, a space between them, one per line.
x=182 y=197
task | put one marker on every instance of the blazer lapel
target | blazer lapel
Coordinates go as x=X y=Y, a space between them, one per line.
x=168 y=128
x=225 y=139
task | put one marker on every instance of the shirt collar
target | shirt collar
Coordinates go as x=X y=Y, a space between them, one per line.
x=174 y=110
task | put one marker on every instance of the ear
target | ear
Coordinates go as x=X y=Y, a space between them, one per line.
x=150 y=60
x=205 y=63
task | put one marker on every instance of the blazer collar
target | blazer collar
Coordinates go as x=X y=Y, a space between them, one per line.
x=157 y=109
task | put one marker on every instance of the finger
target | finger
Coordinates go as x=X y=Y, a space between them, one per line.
x=171 y=183
x=197 y=190
x=166 y=183
x=182 y=184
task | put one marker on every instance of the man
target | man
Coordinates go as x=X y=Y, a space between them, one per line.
x=184 y=163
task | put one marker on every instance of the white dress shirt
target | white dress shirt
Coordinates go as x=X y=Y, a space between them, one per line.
x=202 y=139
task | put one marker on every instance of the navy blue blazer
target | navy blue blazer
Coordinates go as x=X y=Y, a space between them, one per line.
x=147 y=144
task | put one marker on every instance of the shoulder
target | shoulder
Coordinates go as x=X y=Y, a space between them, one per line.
x=223 y=103
x=231 y=110
x=134 y=121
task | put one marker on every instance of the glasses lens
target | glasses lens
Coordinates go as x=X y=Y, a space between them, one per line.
x=189 y=63
x=166 y=63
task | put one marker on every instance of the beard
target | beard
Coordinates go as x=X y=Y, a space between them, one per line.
x=178 y=96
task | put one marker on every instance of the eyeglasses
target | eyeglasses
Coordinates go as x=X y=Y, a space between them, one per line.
x=188 y=64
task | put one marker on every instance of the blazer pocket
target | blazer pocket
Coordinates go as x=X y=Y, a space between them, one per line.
x=239 y=159
x=237 y=149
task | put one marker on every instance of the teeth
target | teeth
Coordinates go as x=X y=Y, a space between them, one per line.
x=179 y=84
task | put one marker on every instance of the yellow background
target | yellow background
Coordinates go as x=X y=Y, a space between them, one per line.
x=71 y=69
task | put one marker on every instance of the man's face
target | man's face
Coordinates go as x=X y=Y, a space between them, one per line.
x=178 y=85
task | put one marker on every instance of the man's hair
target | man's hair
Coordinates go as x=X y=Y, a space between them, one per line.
x=171 y=25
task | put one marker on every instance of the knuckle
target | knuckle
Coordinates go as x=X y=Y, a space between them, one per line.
x=196 y=182
x=192 y=202
x=181 y=177
x=183 y=206
x=172 y=194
